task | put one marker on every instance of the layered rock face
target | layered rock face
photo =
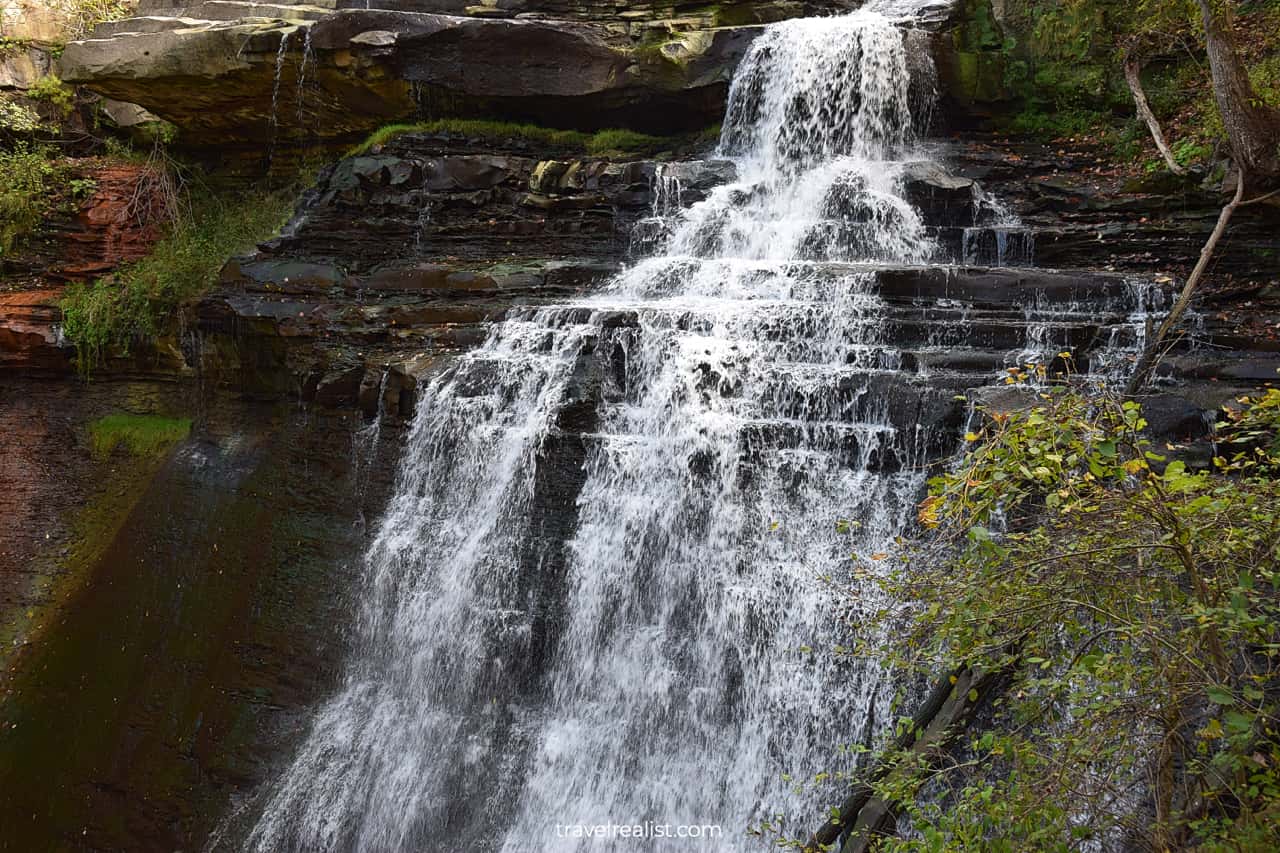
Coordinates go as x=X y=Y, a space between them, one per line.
x=327 y=312
x=230 y=71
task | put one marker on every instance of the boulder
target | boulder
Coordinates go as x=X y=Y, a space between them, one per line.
x=942 y=198
x=1171 y=417
x=125 y=115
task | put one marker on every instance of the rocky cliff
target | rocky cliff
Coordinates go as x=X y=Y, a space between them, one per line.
x=250 y=72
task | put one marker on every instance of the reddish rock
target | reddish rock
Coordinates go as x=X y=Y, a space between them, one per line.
x=29 y=335
x=117 y=224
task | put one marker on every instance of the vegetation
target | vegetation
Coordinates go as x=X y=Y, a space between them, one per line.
x=18 y=119
x=1136 y=601
x=600 y=142
x=141 y=435
x=131 y=305
x=28 y=175
x=89 y=13
x=1066 y=58
x=52 y=90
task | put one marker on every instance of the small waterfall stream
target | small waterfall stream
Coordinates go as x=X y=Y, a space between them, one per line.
x=603 y=591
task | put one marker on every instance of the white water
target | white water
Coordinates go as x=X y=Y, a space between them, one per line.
x=592 y=596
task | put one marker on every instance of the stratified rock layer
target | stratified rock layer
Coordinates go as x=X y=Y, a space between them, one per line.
x=221 y=72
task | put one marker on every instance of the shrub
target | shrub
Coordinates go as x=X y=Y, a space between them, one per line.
x=87 y=14
x=1135 y=602
x=27 y=177
x=52 y=90
x=18 y=119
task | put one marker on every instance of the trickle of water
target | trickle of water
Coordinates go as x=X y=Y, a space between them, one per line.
x=424 y=219
x=273 y=120
x=302 y=75
x=364 y=441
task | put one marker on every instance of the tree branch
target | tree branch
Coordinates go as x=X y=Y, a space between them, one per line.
x=1133 y=76
x=1150 y=357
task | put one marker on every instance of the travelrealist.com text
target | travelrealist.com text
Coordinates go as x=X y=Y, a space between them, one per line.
x=647 y=829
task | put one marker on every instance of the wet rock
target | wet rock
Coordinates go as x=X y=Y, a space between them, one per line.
x=417 y=277
x=29 y=337
x=283 y=276
x=942 y=198
x=251 y=531
x=1003 y=399
x=369 y=396
x=1245 y=368
x=340 y=388
x=1171 y=417
x=999 y=286
x=1075 y=220
x=386 y=215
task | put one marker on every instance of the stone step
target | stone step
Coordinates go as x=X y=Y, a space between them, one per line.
x=995 y=286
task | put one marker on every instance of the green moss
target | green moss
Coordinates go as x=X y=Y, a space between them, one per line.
x=625 y=141
x=143 y=435
x=131 y=305
x=475 y=128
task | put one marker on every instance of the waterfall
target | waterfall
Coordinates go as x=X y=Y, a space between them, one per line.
x=618 y=554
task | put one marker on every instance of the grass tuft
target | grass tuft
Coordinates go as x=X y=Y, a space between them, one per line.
x=131 y=305
x=142 y=435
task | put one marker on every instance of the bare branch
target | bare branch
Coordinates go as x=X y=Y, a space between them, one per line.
x=1133 y=76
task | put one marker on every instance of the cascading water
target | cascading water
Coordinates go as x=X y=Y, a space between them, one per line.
x=614 y=537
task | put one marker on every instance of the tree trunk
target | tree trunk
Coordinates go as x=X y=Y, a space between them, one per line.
x=1253 y=128
x=1133 y=76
